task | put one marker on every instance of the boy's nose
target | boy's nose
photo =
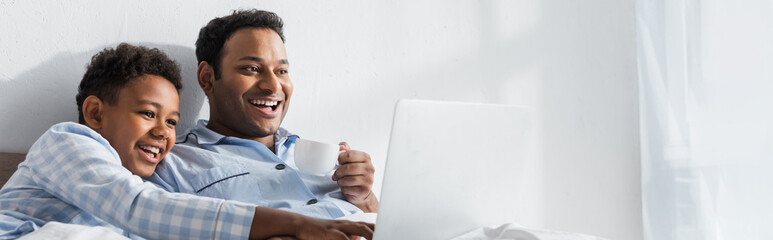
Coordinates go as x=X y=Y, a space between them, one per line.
x=160 y=131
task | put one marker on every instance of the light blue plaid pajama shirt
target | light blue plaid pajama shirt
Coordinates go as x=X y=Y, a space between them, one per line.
x=73 y=175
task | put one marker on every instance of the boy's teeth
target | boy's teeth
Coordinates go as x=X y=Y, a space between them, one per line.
x=151 y=149
x=264 y=103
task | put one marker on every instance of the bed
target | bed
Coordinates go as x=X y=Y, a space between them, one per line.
x=8 y=164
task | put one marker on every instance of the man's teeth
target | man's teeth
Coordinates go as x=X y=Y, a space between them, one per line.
x=151 y=149
x=264 y=103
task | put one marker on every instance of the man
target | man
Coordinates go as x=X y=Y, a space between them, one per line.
x=242 y=153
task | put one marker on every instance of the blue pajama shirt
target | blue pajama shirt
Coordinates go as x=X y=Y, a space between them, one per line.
x=206 y=163
x=72 y=175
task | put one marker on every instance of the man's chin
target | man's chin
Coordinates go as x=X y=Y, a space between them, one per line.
x=263 y=130
x=263 y=127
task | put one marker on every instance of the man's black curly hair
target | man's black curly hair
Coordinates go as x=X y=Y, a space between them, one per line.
x=111 y=69
x=212 y=37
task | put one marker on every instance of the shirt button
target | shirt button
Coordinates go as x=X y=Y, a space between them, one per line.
x=280 y=166
x=312 y=201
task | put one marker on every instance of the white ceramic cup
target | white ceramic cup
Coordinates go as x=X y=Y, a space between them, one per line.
x=316 y=158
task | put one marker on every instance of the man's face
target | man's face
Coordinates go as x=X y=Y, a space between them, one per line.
x=141 y=123
x=253 y=93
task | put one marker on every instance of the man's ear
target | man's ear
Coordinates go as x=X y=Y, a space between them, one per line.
x=206 y=77
x=93 y=108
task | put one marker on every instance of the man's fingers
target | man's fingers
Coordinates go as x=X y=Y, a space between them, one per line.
x=351 y=181
x=354 y=170
x=353 y=156
x=343 y=146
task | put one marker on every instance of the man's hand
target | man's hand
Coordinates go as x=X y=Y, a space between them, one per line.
x=355 y=177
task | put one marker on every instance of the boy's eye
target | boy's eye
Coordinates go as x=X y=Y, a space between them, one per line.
x=148 y=114
x=171 y=122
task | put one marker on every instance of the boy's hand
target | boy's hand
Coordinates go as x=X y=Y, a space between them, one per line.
x=322 y=229
x=293 y=238
x=268 y=223
x=355 y=177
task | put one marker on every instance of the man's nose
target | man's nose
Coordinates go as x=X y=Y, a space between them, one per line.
x=270 y=82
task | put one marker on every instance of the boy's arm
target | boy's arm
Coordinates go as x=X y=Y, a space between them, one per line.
x=77 y=166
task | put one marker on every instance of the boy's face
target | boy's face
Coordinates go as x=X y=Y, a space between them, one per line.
x=141 y=123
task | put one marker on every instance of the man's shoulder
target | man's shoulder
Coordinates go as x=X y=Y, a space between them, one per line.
x=185 y=161
x=192 y=155
x=199 y=135
x=202 y=147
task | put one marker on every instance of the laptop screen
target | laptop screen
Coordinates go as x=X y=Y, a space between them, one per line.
x=451 y=167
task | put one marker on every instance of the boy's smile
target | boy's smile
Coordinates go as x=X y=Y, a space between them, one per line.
x=140 y=125
x=151 y=152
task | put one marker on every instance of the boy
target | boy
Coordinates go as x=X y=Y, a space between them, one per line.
x=90 y=173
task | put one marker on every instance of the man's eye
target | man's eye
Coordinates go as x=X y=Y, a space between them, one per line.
x=252 y=69
x=148 y=114
x=283 y=71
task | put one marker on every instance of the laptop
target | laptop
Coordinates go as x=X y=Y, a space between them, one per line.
x=451 y=168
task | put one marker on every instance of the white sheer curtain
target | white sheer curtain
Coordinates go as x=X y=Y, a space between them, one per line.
x=706 y=111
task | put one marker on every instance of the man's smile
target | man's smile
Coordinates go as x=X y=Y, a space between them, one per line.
x=267 y=106
x=265 y=103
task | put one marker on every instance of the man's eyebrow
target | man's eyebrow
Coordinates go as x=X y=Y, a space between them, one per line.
x=155 y=104
x=251 y=58
x=257 y=59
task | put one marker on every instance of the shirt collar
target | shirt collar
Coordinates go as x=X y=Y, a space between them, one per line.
x=201 y=135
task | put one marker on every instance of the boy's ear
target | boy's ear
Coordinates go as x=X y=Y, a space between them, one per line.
x=92 y=112
x=206 y=77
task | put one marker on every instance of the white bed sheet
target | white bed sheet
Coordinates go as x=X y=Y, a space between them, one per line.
x=66 y=231
x=507 y=231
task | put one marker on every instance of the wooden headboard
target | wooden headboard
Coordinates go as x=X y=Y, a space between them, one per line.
x=8 y=164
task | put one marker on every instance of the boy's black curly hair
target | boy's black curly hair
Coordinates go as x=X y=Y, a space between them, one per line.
x=212 y=37
x=111 y=69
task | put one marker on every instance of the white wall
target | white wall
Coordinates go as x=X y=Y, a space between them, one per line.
x=572 y=61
